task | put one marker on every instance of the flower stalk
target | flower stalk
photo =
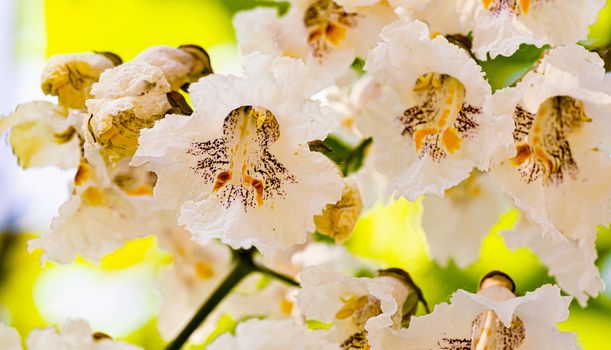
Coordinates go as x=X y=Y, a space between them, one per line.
x=245 y=266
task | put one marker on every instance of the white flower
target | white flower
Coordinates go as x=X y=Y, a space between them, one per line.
x=43 y=134
x=494 y=318
x=74 y=335
x=240 y=168
x=272 y=334
x=102 y=213
x=571 y=262
x=70 y=76
x=127 y=99
x=500 y=26
x=559 y=172
x=357 y=307
x=456 y=224
x=9 y=338
x=134 y=95
x=429 y=126
x=317 y=31
x=196 y=272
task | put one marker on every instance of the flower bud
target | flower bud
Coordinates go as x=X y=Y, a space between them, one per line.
x=69 y=77
x=338 y=220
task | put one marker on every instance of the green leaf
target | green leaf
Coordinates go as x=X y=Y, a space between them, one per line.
x=505 y=71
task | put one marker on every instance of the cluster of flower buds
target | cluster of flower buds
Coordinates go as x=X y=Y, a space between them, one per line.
x=341 y=104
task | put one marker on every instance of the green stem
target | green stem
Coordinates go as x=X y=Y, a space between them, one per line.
x=243 y=268
x=284 y=278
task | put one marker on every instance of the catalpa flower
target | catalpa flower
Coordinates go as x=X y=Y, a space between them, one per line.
x=258 y=334
x=105 y=209
x=571 y=262
x=456 y=224
x=558 y=172
x=240 y=168
x=500 y=26
x=74 y=335
x=494 y=318
x=70 y=76
x=132 y=96
x=317 y=31
x=43 y=134
x=429 y=126
x=358 y=308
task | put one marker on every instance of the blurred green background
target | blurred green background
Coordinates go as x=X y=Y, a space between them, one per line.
x=119 y=297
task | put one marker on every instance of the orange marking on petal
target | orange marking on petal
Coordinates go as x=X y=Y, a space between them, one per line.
x=451 y=140
x=82 y=173
x=525 y=6
x=258 y=186
x=420 y=136
x=141 y=190
x=487 y=3
x=522 y=155
x=221 y=180
x=335 y=33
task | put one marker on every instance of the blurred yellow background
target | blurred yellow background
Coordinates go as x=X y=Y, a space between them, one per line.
x=119 y=297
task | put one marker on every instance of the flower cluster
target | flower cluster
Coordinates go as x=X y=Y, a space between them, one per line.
x=162 y=146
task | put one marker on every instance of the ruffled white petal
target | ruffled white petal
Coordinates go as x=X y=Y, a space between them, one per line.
x=571 y=262
x=94 y=230
x=456 y=225
x=281 y=223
